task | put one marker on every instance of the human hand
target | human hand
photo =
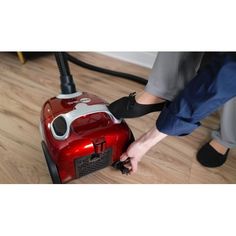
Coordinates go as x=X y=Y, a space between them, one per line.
x=135 y=152
x=140 y=147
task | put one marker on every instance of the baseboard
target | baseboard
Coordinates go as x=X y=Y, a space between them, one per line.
x=145 y=59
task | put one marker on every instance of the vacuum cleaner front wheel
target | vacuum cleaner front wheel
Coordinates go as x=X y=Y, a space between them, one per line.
x=51 y=165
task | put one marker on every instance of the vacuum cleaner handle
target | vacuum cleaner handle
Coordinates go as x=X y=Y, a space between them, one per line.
x=60 y=126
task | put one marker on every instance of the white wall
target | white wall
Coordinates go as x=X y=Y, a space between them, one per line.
x=145 y=59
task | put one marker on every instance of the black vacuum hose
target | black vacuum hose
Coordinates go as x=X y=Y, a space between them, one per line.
x=62 y=64
x=67 y=83
x=131 y=77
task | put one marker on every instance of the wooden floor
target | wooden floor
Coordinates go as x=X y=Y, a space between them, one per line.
x=24 y=89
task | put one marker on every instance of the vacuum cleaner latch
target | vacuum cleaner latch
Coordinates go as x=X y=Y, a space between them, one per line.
x=99 y=145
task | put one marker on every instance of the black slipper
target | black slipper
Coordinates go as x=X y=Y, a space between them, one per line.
x=127 y=107
x=209 y=157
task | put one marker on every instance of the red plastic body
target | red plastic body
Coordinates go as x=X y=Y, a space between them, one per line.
x=86 y=135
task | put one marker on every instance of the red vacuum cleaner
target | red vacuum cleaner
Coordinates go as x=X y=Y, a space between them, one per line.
x=79 y=133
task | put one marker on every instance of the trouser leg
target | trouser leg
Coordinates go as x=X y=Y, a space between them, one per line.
x=226 y=135
x=171 y=72
x=214 y=85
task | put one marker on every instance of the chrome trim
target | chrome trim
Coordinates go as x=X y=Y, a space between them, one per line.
x=68 y=96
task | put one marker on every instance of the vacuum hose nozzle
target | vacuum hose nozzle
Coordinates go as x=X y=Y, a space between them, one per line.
x=67 y=83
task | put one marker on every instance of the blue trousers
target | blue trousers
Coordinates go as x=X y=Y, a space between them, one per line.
x=213 y=85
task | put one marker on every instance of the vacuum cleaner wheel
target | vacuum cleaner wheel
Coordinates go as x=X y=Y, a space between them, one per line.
x=51 y=165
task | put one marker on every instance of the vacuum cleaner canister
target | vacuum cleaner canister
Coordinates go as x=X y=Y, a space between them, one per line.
x=80 y=136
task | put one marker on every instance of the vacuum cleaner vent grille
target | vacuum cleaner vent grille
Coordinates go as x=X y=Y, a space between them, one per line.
x=88 y=164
